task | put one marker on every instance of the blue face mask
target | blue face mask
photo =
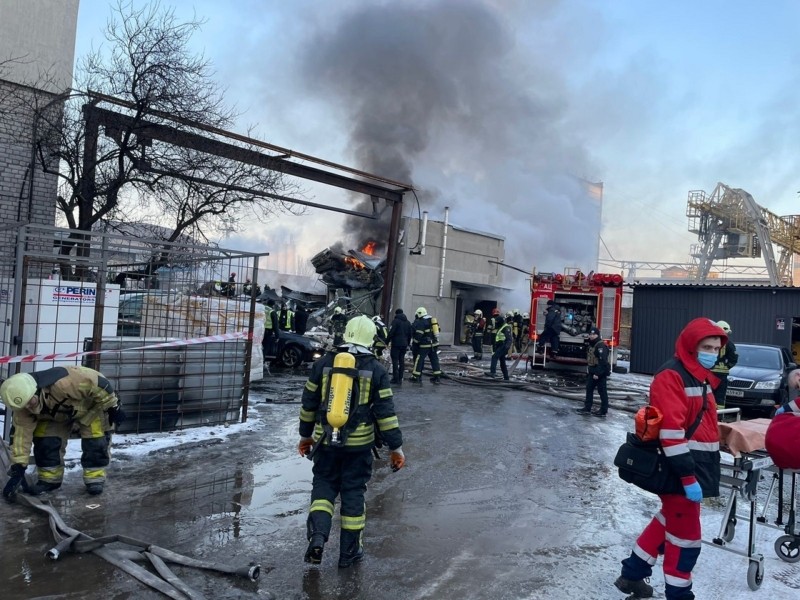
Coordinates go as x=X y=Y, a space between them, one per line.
x=707 y=359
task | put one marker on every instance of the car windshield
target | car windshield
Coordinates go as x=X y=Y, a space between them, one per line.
x=763 y=358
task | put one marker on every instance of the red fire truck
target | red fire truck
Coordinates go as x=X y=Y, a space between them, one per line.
x=585 y=301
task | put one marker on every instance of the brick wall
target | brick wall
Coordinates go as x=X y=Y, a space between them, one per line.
x=16 y=201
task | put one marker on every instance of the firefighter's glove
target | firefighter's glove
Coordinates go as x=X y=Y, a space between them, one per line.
x=116 y=416
x=693 y=492
x=397 y=459
x=16 y=478
x=305 y=445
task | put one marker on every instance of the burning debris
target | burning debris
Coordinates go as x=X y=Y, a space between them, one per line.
x=353 y=270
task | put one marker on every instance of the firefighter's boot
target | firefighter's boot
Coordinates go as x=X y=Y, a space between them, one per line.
x=316 y=544
x=350 y=549
x=636 y=588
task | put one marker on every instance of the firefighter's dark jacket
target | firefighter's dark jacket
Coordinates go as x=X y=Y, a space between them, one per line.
x=424 y=334
x=552 y=319
x=375 y=405
x=400 y=332
x=597 y=358
x=728 y=357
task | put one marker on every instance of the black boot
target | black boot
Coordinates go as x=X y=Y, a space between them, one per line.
x=316 y=544
x=637 y=589
x=350 y=549
x=94 y=489
x=40 y=487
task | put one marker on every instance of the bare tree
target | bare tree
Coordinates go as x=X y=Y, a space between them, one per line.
x=147 y=64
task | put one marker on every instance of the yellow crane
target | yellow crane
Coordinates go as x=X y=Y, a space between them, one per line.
x=730 y=224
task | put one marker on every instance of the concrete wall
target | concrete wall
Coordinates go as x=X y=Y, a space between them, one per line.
x=419 y=280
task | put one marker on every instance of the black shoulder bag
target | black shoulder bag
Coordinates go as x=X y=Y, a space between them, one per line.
x=645 y=465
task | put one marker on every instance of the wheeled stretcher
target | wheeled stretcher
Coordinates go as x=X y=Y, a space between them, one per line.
x=744 y=441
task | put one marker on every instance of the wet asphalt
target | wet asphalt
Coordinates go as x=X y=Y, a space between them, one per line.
x=506 y=495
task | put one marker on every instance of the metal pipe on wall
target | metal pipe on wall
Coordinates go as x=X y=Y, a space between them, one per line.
x=401 y=270
x=424 y=235
x=444 y=251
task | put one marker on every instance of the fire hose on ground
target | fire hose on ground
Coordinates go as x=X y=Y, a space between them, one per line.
x=474 y=375
x=69 y=539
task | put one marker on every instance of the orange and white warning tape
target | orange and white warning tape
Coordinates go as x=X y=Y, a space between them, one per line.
x=237 y=335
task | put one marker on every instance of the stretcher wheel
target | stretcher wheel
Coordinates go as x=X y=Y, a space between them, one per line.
x=755 y=575
x=730 y=530
x=787 y=547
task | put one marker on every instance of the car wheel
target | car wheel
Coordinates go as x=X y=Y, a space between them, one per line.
x=291 y=357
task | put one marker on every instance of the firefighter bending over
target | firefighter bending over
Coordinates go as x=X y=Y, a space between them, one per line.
x=426 y=339
x=47 y=405
x=347 y=409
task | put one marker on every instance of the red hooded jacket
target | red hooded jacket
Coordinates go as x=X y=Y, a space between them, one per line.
x=677 y=390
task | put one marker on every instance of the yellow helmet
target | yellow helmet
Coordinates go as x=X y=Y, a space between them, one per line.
x=360 y=331
x=421 y=312
x=338 y=310
x=17 y=390
x=724 y=326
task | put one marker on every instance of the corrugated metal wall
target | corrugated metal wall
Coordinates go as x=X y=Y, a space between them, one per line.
x=755 y=314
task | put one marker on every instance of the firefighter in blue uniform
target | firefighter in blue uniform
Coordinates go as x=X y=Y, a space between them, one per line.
x=426 y=339
x=343 y=457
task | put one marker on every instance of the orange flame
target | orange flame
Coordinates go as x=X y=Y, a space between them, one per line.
x=354 y=263
x=369 y=248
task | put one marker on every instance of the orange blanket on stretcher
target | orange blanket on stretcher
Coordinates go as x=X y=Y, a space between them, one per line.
x=780 y=437
x=743 y=436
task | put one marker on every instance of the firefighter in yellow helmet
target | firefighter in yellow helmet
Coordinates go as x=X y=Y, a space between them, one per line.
x=47 y=405
x=426 y=340
x=347 y=410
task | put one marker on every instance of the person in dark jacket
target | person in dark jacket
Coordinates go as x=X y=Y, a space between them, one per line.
x=229 y=288
x=400 y=334
x=343 y=458
x=552 y=327
x=337 y=325
x=726 y=361
x=300 y=320
x=503 y=338
x=682 y=390
x=598 y=370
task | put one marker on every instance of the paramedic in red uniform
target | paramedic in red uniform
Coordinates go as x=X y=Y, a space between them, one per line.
x=680 y=389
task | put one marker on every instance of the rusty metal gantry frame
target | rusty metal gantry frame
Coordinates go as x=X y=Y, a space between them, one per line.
x=734 y=210
x=146 y=131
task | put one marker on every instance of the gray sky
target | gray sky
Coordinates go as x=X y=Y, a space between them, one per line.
x=492 y=106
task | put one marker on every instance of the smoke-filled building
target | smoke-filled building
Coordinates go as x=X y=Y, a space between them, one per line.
x=446 y=269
